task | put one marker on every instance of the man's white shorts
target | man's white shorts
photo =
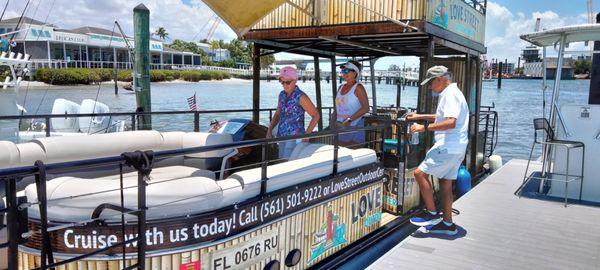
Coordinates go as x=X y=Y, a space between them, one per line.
x=441 y=164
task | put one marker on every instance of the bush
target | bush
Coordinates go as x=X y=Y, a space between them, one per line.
x=68 y=76
x=124 y=76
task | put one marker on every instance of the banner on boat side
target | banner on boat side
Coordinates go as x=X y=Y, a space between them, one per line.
x=457 y=16
x=193 y=230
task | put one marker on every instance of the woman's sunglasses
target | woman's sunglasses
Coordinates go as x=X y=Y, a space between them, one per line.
x=286 y=82
x=345 y=71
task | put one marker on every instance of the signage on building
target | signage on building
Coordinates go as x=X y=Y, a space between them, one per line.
x=458 y=17
x=36 y=34
x=70 y=38
x=156 y=46
x=106 y=41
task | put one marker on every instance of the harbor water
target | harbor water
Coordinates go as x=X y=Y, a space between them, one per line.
x=517 y=103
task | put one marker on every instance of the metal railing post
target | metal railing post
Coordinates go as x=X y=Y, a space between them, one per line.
x=47 y=126
x=196 y=121
x=12 y=223
x=141 y=251
x=40 y=182
x=133 y=122
x=263 y=170
x=335 y=150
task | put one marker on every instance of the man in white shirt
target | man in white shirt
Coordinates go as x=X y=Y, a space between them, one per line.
x=451 y=126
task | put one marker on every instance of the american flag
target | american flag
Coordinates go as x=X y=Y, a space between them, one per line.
x=192 y=102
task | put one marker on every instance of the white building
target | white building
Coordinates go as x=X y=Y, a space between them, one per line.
x=215 y=55
x=91 y=47
x=535 y=69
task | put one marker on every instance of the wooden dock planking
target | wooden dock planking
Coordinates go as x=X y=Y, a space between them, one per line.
x=502 y=231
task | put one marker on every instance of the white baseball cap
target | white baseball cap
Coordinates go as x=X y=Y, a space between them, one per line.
x=350 y=66
x=434 y=72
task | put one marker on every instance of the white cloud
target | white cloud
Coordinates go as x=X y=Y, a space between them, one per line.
x=503 y=29
x=180 y=20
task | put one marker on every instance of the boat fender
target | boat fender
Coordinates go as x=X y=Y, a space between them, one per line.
x=495 y=162
x=463 y=180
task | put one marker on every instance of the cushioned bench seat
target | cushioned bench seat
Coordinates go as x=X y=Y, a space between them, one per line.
x=166 y=184
x=311 y=162
x=191 y=190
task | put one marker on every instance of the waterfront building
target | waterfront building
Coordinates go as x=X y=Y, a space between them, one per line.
x=535 y=69
x=507 y=68
x=215 y=55
x=531 y=54
x=86 y=47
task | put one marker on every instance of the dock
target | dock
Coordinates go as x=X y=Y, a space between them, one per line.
x=499 y=230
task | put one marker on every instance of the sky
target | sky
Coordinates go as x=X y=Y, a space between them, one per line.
x=188 y=20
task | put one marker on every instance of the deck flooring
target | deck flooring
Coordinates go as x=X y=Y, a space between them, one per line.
x=498 y=230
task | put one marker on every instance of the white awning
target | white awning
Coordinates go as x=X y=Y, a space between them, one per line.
x=241 y=15
x=573 y=33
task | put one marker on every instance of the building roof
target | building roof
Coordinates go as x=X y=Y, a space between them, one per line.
x=95 y=30
x=25 y=20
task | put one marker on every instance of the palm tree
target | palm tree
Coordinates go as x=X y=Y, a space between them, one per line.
x=161 y=32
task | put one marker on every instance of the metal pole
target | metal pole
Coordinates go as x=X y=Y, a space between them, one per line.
x=115 y=70
x=373 y=85
x=398 y=93
x=256 y=83
x=141 y=245
x=544 y=82
x=594 y=96
x=333 y=87
x=557 y=77
x=87 y=56
x=318 y=91
x=141 y=25
x=49 y=57
x=12 y=224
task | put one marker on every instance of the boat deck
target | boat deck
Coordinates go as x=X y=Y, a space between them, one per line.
x=499 y=230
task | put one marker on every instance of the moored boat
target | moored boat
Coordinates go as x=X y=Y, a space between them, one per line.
x=173 y=199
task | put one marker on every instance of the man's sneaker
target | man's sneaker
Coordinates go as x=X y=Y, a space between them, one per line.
x=441 y=228
x=426 y=219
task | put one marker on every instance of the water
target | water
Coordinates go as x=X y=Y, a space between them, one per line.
x=517 y=103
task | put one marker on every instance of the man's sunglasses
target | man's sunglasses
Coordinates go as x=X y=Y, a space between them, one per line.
x=286 y=82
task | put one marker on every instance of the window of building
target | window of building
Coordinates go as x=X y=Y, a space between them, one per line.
x=2 y=30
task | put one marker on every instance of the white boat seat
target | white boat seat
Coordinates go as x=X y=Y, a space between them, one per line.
x=187 y=182
x=192 y=190
x=319 y=164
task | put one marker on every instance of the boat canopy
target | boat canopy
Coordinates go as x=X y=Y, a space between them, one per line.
x=241 y=15
x=573 y=33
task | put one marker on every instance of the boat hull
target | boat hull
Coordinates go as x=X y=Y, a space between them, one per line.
x=316 y=230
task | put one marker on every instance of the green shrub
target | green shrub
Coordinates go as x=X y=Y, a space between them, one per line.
x=124 y=76
x=68 y=76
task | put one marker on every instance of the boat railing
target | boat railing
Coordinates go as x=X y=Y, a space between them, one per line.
x=133 y=118
x=17 y=221
x=488 y=128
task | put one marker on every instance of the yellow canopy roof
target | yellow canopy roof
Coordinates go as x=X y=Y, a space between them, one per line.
x=241 y=15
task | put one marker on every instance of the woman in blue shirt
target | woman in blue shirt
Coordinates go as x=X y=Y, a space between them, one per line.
x=291 y=106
